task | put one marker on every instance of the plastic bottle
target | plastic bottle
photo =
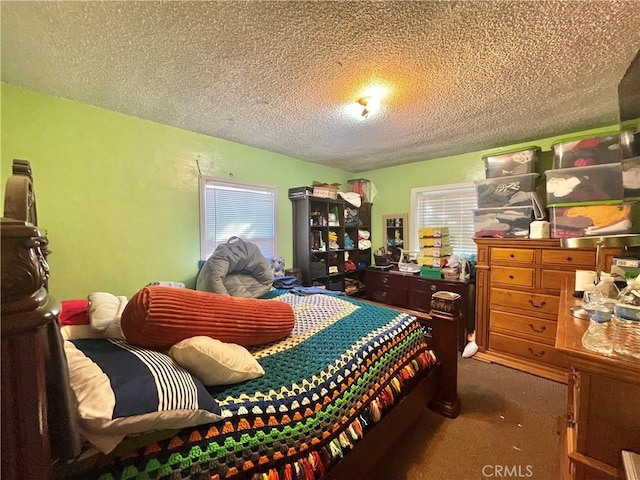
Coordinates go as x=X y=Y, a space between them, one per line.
x=599 y=303
x=626 y=320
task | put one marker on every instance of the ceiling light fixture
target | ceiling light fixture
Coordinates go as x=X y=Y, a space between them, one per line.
x=370 y=105
x=364 y=102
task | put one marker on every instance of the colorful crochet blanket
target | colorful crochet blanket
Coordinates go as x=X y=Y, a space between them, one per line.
x=340 y=370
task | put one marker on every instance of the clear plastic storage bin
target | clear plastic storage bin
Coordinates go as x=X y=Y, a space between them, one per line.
x=511 y=163
x=594 y=150
x=585 y=221
x=598 y=183
x=502 y=222
x=631 y=177
x=509 y=191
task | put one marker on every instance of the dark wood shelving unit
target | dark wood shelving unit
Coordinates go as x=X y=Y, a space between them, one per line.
x=319 y=250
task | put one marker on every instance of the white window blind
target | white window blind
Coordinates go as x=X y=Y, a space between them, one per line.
x=229 y=209
x=447 y=206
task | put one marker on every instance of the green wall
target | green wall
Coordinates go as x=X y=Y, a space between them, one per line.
x=119 y=197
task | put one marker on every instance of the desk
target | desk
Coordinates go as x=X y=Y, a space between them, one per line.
x=603 y=401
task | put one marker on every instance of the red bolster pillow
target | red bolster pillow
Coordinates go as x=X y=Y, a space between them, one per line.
x=158 y=317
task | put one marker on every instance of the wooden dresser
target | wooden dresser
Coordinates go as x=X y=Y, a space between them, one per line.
x=603 y=414
x=518 y=283
x=408 y=290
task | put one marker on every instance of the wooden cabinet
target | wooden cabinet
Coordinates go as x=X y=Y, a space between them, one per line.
x=325 y=243
x=408 y=290
x=603 y=411
x=518 y=285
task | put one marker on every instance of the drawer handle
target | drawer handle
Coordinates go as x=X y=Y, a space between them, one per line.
x=433 y=288
x=512 y=255
x=542 y=304
x=384 y=294
x=385 y=280
x=542 y=328
x=539 y=354
x=510 y=277
x=569 y=259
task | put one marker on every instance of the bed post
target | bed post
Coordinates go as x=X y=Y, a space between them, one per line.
x=26 y=311
x=446 y=320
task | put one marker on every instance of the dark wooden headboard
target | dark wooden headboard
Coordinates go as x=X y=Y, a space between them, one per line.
x=36 y=401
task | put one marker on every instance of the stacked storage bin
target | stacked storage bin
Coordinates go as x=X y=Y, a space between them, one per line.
x=506 y=198
x=435 y=249
x=594 y=186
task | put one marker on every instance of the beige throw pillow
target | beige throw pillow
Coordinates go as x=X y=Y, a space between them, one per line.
x=214 y=362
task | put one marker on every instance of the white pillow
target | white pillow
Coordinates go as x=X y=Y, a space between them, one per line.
x=214 y=362
x=104 y=308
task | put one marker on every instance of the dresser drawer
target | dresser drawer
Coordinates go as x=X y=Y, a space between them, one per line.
x=386 y=280
x=530 y=350
x=388 y=295
x=420 y=300
x=570 y=257
x=522 y=277
x=537 y=329
x=509 y=255
x=553 y=279
x=536 y=303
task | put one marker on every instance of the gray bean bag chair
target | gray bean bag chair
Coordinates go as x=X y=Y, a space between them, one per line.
x=236 y=268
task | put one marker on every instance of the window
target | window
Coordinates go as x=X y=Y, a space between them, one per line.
x=230 y=209
x=447 y=206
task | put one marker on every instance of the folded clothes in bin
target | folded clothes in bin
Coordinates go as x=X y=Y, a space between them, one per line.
x=598 y=183
x=631 y=177
x=511 y=163
x=584 y=152
x=506 y=191
x=583 y=221
x=502 y=222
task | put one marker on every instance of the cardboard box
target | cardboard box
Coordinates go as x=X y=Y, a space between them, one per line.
x=325 y=190
x=433 y=232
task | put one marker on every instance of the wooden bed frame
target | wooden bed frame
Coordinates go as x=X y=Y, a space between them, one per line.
x=37 y=406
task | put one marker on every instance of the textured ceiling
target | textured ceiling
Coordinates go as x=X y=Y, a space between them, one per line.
x=461 y=76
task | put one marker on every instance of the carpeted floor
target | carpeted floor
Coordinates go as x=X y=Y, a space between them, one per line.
x=509 y=427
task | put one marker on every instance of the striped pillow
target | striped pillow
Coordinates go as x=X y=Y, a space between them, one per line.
x=159 y=317
x=122 y=390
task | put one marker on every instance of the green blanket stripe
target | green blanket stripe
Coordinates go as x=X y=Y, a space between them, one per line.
x=335 y=339
x=215 y=450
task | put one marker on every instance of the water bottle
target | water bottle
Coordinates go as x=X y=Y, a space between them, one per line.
x=599 y=302
x=626 y=320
